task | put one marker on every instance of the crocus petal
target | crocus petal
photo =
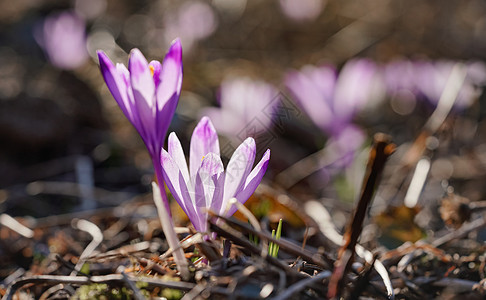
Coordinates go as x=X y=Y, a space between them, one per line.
x=143 y=87
x=206 y=187
x=177 y=153
x=203 y=141
x=170 y=75
x=116 y=83
x=239 y=167
x=191 y=211
x=131 y=108
x=171 y=173
x=169 y=89
x=177 y=185
x=217 y=201
x=251 y=183
x=141 y=78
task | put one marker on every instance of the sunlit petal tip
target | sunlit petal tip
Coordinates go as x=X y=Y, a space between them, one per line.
x=165 y=157
x=260 y=168
x=252 y=181
x=239 y=167
x=266 y=155
x=263 y=164
x=100 y=54
x=205 y=128
x=250 y=143
x=175 y=150
x=203 y=141
x=173 y=137
x=175 y=50
x=137 y=63
x=105 y=62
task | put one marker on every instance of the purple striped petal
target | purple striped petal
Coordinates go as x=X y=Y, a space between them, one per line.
x=177 y=154
x=251 y=183
x=239 y=167
x=170 y=76
x=132 y=112
x=203 y=141
x=206 y=185
x=177 y=185
x=169 y=88
x=217 y=201
x=116 y=83
x=143 y=87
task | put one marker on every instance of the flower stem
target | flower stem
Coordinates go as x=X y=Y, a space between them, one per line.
x=160 y=200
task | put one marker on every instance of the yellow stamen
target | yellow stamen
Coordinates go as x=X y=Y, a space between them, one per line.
x=202 y=158
x=152 y=70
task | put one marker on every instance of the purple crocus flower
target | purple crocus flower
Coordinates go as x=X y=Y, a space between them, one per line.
x=399 y=76
x=147 y=94
x=205 y=184
x=63 y=38
x=244 y=103
x=329 y=100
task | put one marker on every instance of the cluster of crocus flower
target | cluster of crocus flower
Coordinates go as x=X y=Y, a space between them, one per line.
x=331 y=100
x=63 y=38
x=148 y=93
x=246 y=107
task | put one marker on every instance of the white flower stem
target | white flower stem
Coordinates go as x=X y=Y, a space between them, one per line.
x=170 y=234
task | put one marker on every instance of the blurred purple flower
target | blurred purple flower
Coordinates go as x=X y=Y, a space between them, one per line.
x=244 y=103
x=205 y=184
x=147 y=94
x=63 y=38
x=331 y=101
x=399 y=76
x=302 y=10
x=193 y=21
x=431 y=79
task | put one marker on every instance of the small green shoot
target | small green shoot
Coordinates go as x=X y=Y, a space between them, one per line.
x=272 y=247
x=253 y=238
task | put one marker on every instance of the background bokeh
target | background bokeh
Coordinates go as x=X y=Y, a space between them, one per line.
x=58 y=120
